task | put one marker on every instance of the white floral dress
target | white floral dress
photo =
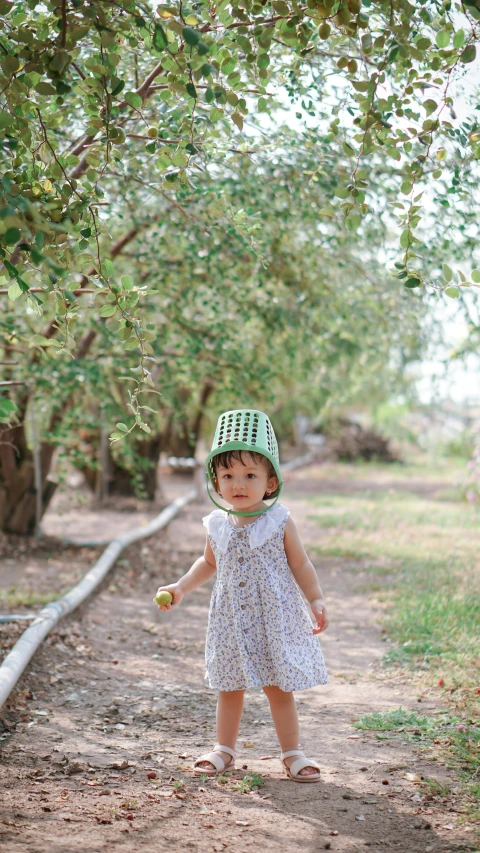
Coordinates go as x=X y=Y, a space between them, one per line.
x=259 y=630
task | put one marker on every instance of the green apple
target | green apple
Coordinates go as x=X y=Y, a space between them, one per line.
x=163 y=597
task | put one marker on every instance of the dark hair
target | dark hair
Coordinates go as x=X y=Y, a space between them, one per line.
x=225 y=459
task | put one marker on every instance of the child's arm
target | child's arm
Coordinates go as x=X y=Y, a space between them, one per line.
x=201 y=571
x=305 y=575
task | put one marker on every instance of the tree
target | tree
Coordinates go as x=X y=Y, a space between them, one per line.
x=98 y=99
x=261 y=310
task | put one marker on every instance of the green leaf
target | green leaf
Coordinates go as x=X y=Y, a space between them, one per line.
x=469 y=54
x=145 y=427
x=423 y=43
x=191 y=36
x=127 y=282
x=430 y=106
x=133 y=100
x=14 y=291
x=5 y=119
x=447 y=272
x=132 y=343
x=160 y=41
x=405 y=239
x=476 y=276
x=406 y=187
x=238 y=120
x=262 y=105
x=11 y=236
x=180 y=159
x=458 y=38
x=413 y=282
x=116 y=436
x=452 y=292
x=360 y=85
x=9 y=406
x=45 y=88
x=107 y=310
x=442 y=38
x=42 y=341
x=122 y=427
x=107 y=267
x=352 y=222
x=191 y=90
x=162 y=162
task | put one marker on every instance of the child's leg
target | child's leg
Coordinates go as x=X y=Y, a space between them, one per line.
x=229 y=715
x=285 y=719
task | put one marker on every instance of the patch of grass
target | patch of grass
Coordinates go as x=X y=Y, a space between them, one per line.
x=390 y=721
x=248 y=784
x=428 y=548
x=457 y=739
x=434 y=787
x=415 y=541
x=15 y=597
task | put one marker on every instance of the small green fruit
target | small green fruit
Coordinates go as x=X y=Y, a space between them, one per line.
x=163 y=597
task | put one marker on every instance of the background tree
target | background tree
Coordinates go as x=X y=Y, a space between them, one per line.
x=117 y=114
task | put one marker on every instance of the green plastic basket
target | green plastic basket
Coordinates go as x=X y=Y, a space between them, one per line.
x=244 y=429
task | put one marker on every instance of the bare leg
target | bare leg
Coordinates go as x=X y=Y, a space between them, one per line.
x=229 y=715
x=285 y=719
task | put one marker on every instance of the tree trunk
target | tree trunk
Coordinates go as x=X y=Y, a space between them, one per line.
x=119 y=479
x=17 y=481
x=176 y=440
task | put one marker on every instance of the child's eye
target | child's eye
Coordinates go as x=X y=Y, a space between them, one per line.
x=226 y=476
x=251 y=476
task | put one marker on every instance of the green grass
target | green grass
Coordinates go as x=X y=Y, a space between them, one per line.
x=15 y=597
x=413 y=542
x=248 y=783
x=428 y=547
x=460 y=741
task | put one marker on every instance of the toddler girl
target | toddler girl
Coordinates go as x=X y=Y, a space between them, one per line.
x=259 y=631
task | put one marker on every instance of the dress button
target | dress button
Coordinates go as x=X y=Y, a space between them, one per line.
x=241 y=583
x=243 y=606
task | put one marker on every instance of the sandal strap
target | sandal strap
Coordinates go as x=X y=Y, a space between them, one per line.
x=212 y=758
x=301 y=763
x=220 y=748
x=290 y=752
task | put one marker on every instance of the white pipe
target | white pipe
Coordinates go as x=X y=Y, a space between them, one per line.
x=26 y=646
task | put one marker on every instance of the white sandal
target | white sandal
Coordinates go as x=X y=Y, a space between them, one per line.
x=216 y=760
x=293 y=772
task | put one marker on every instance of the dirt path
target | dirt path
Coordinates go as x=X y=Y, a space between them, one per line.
x=117 y=693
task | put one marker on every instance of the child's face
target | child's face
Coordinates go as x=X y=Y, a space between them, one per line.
x=244 y=484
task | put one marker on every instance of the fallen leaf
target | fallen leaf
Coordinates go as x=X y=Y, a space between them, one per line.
x=165 y=793
x=243 y=823
x=265 y=757
x=248 y=745
x=353 y=737
x=334 y=832
x=359 y=817
x=208 y=825
x=448 y=826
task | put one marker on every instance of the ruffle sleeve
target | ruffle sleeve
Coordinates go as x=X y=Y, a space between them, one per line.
x=267 y=524
x=218 y=528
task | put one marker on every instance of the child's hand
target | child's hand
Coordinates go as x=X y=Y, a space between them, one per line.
x=319 y=611
x=176 y=593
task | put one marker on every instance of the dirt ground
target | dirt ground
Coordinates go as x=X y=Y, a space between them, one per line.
x=100 y=734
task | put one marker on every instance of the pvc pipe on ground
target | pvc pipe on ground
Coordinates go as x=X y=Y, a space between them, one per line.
x=26 y=646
